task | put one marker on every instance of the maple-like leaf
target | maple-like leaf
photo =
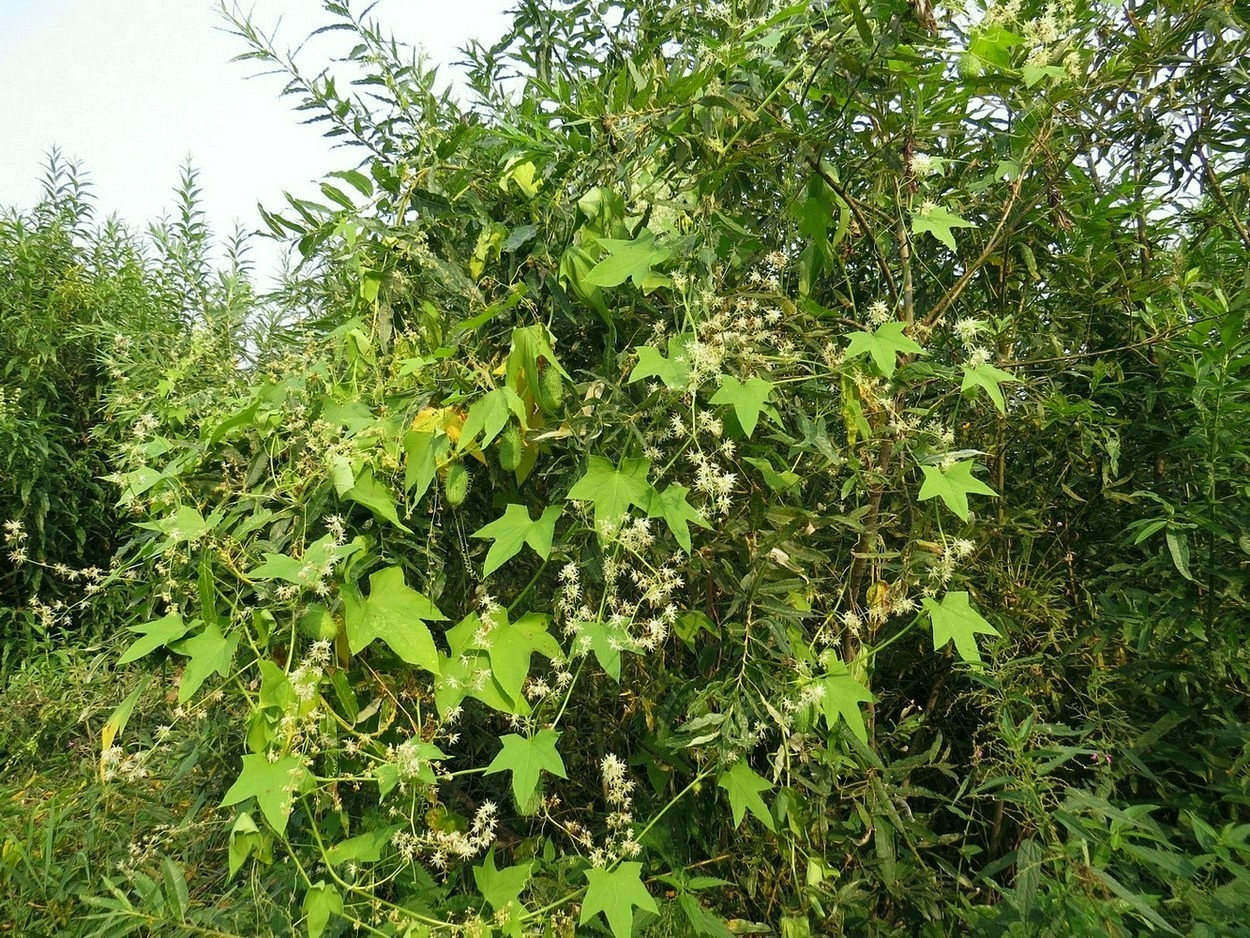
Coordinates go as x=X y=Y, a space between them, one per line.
x=607 y=641
x=884 y=345
x=396 y=614
x=500 y=887
x=743 y=786
x=673 y=370
x=747 y=399
x=988 y=377
x=209 y=652
x=939 y=222
x=513 y=531
x=246 y=839
x=616 y=894
x=678 y=514
x=525 y=759
x=953 y=486
x=272 y=784
x=512 y=643
x=162 y=632
x=954 y=619
x=842 y=697
x=630 y=260
x=613 y=490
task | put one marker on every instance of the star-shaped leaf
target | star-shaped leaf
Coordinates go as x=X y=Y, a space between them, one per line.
x=607 y=642
x=630 y=260
x=678 y=514
x=512 y=643
x=673 y=370
x=747 y=399
x=613 y=490
x=210 y=652
x=156 y=635
x=616 y=894
x=953 y=486
x=272 y=784
x=954 y=619
x=525 y=758
x=842 y=697
x=744 y=786
x=884 y=345
x=514 y=530
x=939 y=221
x=500 y=887
x=375 y=496
x=396 y=614
x=988 y=377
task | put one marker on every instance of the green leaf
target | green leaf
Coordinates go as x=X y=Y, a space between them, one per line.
x=375 y=496
x=607 y=642
x=613 y=490
x=955 y=620
x=777 y=481
x=246 y=840
x=744 y=786
x=272 y=784
x=422 y=451
x=489 y=415
x=396 y=614
x=842 y=697
x=678 y=514
x=511 y=644
x=363 y=848
x=501 y=887
x=939 y=221
x=630 y=260
x=514 y=530
x=210 y=652
x=953 y=486
x=1178 y=547
x=884 y=345
x=988 y=377
x=280 y=567
x=162 y=632
x=674 y=370
x=616 y=894
x=746 y=399
x=321 y=902
x=525 y=758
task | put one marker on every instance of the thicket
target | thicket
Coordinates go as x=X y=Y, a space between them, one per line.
x=751 y=469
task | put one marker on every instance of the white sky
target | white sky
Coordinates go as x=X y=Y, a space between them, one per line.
x=131 y=88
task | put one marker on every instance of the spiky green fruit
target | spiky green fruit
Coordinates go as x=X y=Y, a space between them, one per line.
x=456 y=484
x=510 y=448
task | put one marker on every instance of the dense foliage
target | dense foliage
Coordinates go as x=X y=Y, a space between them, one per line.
x=750 y=470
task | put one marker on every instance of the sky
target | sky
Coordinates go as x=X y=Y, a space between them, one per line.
x=132 y=88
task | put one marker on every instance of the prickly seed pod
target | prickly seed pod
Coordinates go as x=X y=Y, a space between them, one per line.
x=552 y=389
x=510 y=448
x=456 y=484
